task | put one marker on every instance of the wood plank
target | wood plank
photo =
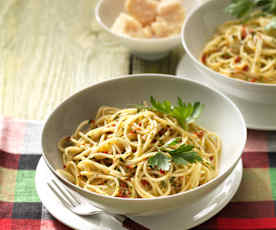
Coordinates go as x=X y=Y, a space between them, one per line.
x=53 y=49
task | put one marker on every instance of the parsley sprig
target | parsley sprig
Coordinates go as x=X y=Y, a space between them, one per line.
x=245 y=9
x=182 y=155
x=240 y=8
x=184 y=113
x=160 y=161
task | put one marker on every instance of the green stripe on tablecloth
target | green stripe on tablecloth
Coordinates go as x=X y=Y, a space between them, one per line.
x=25 y=187
x=272 y=172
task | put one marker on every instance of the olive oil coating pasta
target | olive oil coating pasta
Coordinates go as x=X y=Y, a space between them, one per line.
x=110 y=155
x=245 y=51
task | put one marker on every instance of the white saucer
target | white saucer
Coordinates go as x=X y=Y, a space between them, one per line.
x=184 y=218
x=257 y=116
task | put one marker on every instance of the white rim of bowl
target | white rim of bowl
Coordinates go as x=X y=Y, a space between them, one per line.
x=99 y=20
x=217 y=74
x=147 y=75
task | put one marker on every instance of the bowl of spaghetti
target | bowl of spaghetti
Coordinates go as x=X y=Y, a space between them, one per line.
x=235 y=47
x=132 y=148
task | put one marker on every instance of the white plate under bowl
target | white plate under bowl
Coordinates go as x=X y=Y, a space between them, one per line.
x=257 y=116
x=184 y=218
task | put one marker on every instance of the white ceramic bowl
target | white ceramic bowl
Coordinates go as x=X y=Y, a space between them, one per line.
x=107 y=11
x=220 y=115
x=199 y=27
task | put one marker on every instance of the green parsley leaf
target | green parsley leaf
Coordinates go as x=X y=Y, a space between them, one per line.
x=182 y=155
x=268 y=6
x=182 y=149
x=160 y=161
x=164 y=107
x=197 y=109
x=173 y=142
x=240 y=8
x=184 y=113
x=186 y=157
x=245 y=9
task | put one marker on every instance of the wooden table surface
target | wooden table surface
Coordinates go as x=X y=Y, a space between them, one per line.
x=49 y=49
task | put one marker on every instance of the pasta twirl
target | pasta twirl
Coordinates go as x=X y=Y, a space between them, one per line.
x=243 y=51
x=110 y=155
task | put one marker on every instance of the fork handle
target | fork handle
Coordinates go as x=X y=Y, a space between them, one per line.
x=129 y=223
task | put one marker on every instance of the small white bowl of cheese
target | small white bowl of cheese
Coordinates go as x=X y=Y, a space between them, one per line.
x=149 y=28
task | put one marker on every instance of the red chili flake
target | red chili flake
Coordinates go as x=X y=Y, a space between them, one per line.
x=245 y=68
x=162 y=171
x=237 y=59
x=244 y=33
x=203 y=59
x=105 y=152
x=120 y=194
x=200 y=133
x=161 y=132
x=133 y=132
x=91 y=121
x=211 y=158
x=140 y=124
x=64 y=166
x=113 y=125
x=123 y=185
x=144 y=182
x=253 y=80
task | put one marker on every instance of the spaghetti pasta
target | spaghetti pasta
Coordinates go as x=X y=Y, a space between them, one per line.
x=245 y=51
x=110 y=155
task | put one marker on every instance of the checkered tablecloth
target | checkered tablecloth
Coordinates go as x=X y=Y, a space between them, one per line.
x=253 y=207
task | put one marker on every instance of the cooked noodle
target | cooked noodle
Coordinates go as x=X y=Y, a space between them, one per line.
x=243 y=51
x=110 y=155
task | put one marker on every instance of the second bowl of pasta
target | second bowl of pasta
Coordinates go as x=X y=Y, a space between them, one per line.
x=234 y=48
x=135 y=149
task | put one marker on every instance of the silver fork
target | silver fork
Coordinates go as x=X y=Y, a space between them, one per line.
x=81 y=208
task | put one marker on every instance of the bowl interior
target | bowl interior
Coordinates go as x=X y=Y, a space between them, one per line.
x=108 y=11
x=208 y=17
x=219 y=115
